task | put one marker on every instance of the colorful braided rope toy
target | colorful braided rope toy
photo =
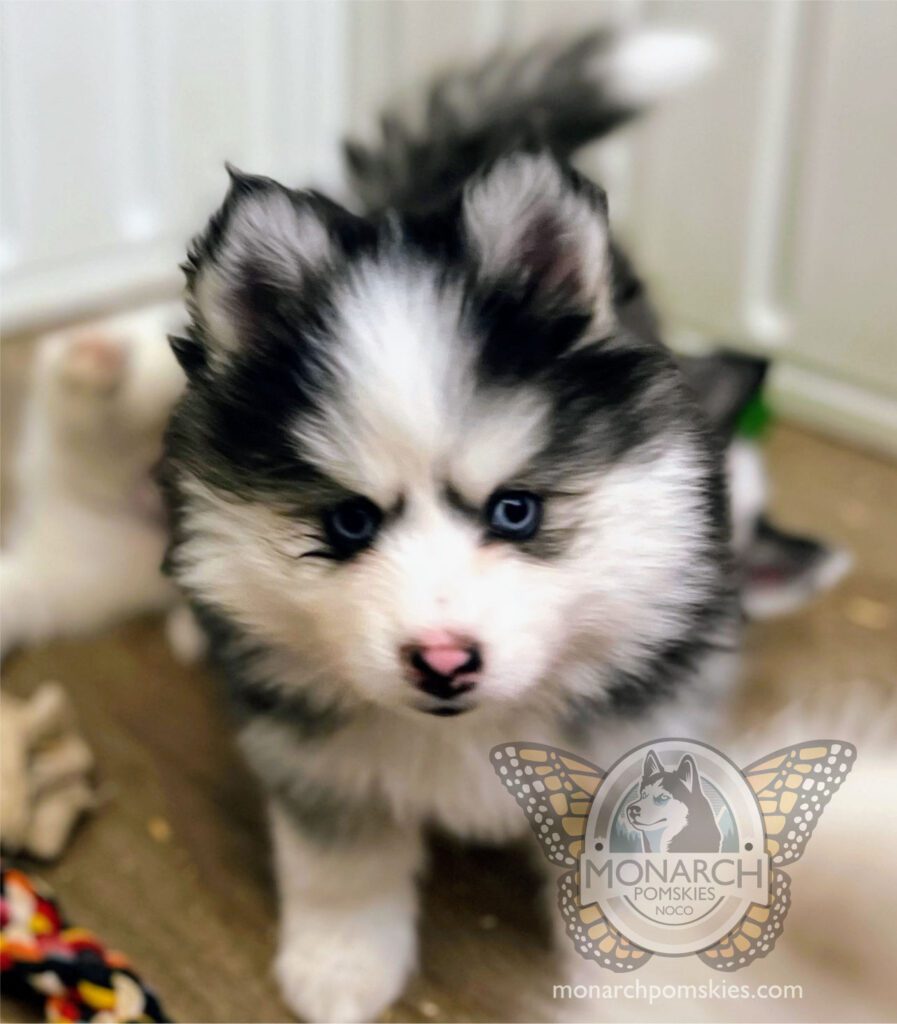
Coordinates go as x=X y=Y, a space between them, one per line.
x=69 y=968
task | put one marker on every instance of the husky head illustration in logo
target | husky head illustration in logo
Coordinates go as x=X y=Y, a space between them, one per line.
x=673 y=804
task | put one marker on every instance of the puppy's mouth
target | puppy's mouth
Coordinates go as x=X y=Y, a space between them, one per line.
x=639 y=823
x=444 y=709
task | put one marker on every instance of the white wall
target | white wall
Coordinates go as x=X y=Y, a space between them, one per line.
x=761 y=204
x=116 y=119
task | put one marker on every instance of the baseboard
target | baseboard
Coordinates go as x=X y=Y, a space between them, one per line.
x=834 y=407
x=89 y=285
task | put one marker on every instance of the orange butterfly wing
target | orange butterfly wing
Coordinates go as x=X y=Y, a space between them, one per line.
x=792 y=786
x=755 y=934
x=594 y=937
x=555 y=791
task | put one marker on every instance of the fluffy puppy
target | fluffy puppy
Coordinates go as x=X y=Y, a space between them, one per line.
x=432 y=488
x=436 y=483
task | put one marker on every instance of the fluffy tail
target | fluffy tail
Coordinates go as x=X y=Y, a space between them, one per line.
x=552 y=97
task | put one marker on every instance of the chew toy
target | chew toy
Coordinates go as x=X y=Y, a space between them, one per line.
x=44 y=772
x=69 y=969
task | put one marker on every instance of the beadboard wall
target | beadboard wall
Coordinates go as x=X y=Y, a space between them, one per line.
x=760 y=204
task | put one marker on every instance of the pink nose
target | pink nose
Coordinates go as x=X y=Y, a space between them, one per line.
x=437 y=658
x=445 y=660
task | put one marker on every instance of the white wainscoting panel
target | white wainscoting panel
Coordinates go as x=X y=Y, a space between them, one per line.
x=760 y=204
x=117 y=118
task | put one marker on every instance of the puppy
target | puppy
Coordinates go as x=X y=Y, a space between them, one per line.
x=435 y=482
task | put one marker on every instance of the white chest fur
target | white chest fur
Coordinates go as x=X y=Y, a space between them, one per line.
x=428 y=770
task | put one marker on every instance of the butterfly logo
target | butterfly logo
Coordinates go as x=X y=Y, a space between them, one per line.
x=625 y=832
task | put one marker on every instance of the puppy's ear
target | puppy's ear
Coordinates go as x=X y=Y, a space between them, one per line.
x=724 y=383
x=688 y=773
x=261 y=246
x=652 y=766
x=529 y=220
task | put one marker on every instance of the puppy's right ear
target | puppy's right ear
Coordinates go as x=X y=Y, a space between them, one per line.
x=529 y=219
x=256 y=253
x=652 y=766
x=724 y=383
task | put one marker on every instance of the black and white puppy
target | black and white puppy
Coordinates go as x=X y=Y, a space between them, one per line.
x=436 y=484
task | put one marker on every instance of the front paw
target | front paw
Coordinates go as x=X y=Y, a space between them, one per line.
x=91 y=362
x=346 y=969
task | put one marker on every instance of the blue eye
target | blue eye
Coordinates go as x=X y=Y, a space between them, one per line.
x=514 y=515
x=662 y=799
x=352 y=525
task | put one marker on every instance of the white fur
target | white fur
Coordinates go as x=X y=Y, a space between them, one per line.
x=279 y=240
x=406 y=421
x=401 y=369
x=348 y=936
x=341 y=909
x=524 y=193
x=87 y=539
x=620 y=590
x=185 y=636
x=650 y=63
x=748 y=490
x=347 y=940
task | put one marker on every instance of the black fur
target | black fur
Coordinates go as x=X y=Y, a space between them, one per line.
x=559 y=109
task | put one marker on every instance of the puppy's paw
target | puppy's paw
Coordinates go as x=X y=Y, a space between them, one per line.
x=92 y=362
x=344 y=970
x=187 y=641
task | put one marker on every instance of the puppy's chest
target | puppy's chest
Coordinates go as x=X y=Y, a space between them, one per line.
x=442 y=775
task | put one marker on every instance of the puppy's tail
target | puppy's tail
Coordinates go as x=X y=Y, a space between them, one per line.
x=549 y=97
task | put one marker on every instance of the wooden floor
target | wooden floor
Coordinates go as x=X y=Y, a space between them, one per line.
x=173 y=867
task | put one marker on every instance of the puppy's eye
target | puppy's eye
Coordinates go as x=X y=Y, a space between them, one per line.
x=352 y=525
x=514 y=515
x=661 y=799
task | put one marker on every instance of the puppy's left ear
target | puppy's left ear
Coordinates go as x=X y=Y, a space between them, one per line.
x=529 y=220
x=255 y=257
x=688 y=773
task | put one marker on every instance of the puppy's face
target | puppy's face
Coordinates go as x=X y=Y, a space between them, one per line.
x=421 y=456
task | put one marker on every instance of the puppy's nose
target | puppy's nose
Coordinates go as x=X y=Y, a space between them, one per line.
x=440 y=661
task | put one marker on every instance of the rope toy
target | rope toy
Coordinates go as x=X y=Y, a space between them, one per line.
x=78 y=978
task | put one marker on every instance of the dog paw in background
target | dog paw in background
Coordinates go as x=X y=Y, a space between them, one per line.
x=186 y=640
x=87 y=532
